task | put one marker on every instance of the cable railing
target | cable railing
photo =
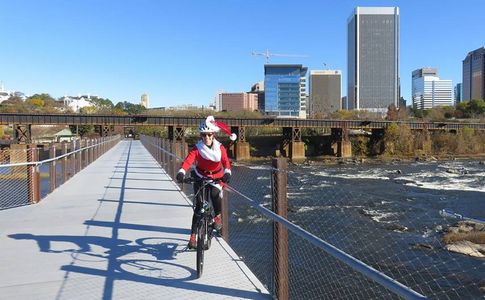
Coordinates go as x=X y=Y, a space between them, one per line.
x=332 y=244
x=28 y=173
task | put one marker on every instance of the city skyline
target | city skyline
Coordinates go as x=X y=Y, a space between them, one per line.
x=123 y=51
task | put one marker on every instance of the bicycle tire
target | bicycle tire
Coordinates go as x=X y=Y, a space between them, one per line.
x=201 y=236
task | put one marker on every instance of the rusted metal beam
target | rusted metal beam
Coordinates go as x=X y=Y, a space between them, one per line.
x=143 y=120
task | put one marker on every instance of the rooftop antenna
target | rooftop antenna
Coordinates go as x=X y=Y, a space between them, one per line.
x=268 y=54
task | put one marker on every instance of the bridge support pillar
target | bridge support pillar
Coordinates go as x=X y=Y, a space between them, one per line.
x=344 y=149
x=341 y=145
x=292 y=146
x=240 y=149
x=176 y=133
x=297 y=151
x=376 y=141
x=22 y=134
x=103 y=130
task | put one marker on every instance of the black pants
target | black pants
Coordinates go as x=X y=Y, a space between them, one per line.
x=216 y=202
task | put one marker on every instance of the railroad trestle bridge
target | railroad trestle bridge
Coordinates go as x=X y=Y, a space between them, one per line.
x=291 y=145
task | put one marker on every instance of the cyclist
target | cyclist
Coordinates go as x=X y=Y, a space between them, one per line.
x=211 y=160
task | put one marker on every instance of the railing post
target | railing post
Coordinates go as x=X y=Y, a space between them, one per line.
x=33 y=175
x=73 y=159
x=174 y=159
x=79 y=156
x=159 y=152
x=53 y=171
x=86 y=153
x=164 y=157
x=91 y=151
x=64 y=163
x=280 y=233
x=95 y=149
x=225 y=217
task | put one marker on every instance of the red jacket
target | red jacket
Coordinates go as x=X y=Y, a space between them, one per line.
x=205 y=166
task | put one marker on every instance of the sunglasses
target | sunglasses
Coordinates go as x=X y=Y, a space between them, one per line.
x=207 y=134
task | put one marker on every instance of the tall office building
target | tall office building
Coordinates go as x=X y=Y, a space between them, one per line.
x=144 y=100
x=325 y=91
x=429 y=90
x=285 y=90
x=373 y=58
x=474 y=75
x=458 y=93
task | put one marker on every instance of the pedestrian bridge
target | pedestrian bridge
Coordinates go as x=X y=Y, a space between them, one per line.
x=116 y=230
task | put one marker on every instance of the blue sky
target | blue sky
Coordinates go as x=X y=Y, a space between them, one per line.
x=183 y=52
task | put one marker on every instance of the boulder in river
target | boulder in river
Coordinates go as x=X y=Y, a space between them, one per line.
x=466 y=237
x=467 y=248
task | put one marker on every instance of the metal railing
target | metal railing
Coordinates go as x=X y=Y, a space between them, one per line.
x=260 y=236
x=28 y=173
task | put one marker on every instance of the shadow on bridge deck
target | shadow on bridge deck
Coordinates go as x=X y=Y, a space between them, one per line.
x=114 y=232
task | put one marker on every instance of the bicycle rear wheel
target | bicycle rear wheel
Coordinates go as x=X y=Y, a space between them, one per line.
x=201 y=236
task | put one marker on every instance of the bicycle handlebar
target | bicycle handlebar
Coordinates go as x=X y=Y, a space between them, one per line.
x=202 y=180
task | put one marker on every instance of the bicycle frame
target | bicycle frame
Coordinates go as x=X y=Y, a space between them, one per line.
x=203 y=218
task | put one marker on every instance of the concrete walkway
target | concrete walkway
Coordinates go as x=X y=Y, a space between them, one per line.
x=117 y=230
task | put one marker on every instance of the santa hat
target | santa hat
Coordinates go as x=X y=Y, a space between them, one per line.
x=216 y=125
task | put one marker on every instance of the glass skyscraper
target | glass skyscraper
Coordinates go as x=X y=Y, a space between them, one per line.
x=285 y=90
x=373 y=58
x=474 y=75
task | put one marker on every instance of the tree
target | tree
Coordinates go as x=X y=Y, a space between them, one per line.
x=130 y=108
x=392 y=113
x=398 y=140
x=82 y=130
x=102 y=105
x=472 y=108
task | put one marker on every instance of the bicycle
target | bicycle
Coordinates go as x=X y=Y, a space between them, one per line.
x=204 y=218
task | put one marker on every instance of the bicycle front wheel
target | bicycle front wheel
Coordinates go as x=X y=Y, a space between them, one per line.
x=201 y=236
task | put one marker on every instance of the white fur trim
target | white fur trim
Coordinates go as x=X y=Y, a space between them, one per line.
x=233 y=137
x=213 y=154
x=227 y=171
x=181 y=171
x=210 y=122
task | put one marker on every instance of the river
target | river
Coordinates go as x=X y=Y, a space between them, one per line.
x=385 y=214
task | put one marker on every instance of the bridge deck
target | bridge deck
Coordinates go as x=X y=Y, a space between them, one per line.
x=117 y=230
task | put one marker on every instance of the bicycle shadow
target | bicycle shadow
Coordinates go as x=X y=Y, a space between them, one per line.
x=147 y=260
x=119 y=247
x=152 y=250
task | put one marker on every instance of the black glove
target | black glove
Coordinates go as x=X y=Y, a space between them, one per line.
x=226 y=178
x=180 y=177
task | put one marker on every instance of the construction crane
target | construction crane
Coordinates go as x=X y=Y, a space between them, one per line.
x=268 y=54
